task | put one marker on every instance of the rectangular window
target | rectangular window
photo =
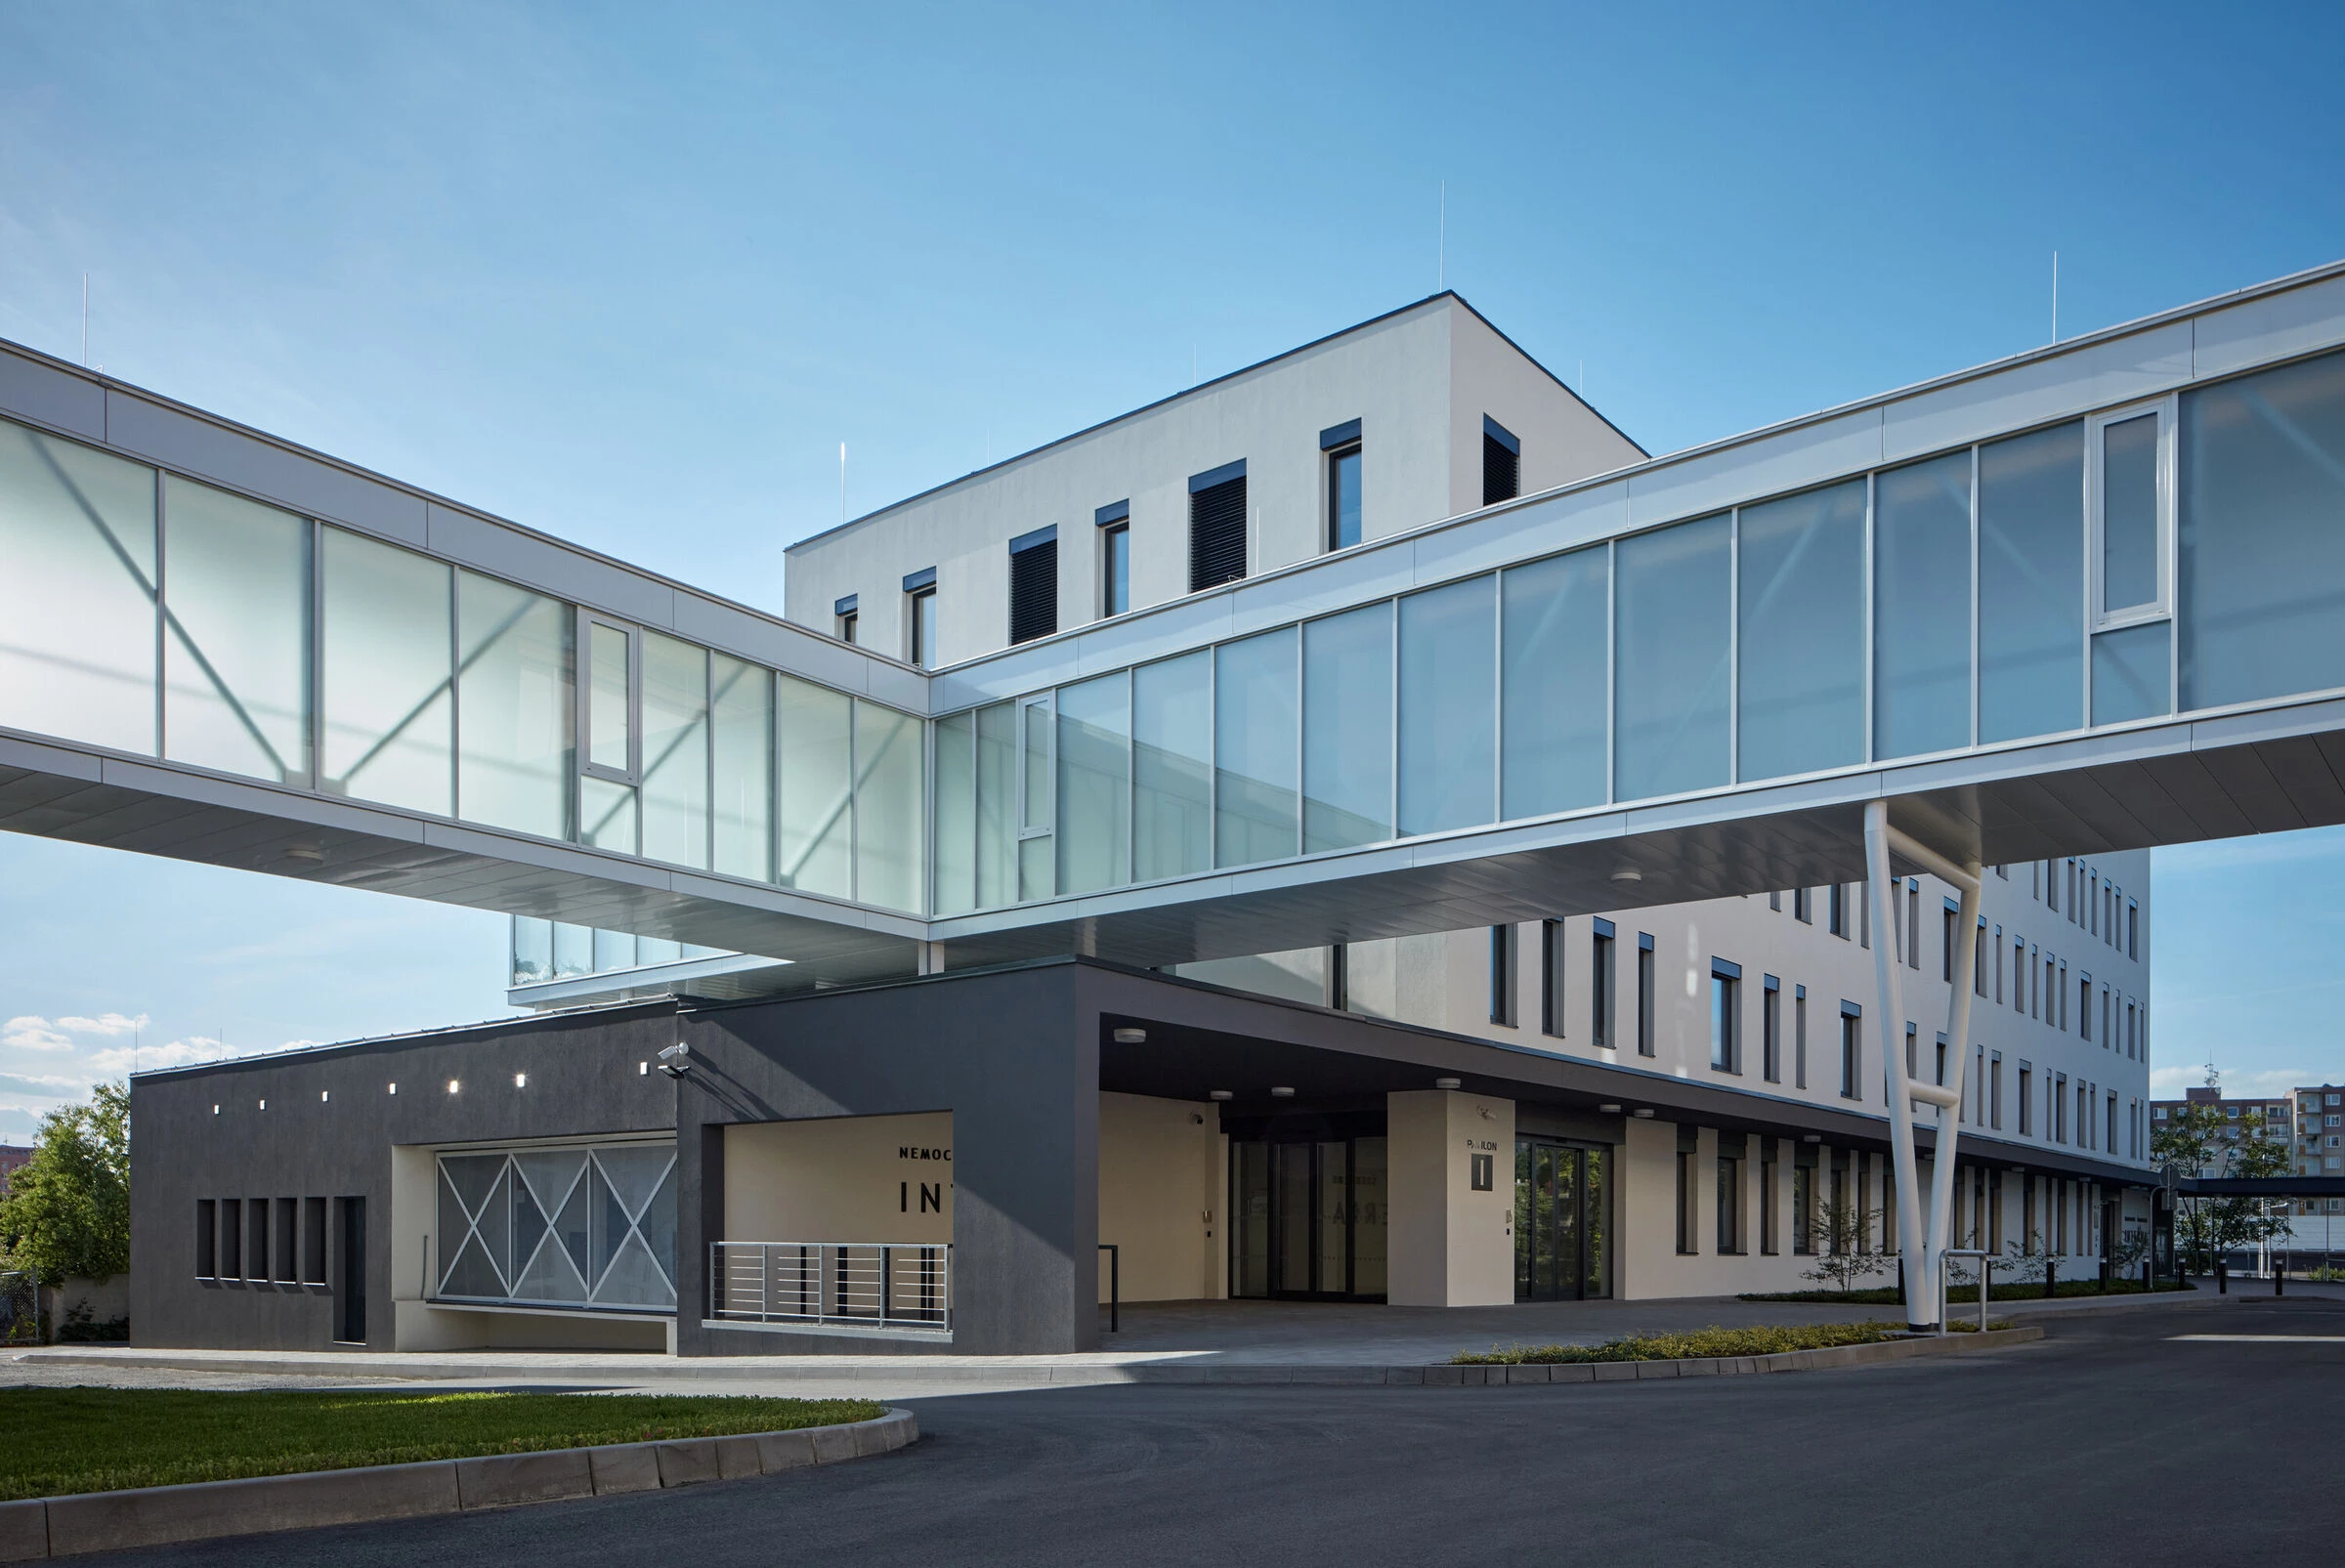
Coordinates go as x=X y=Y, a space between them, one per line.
x=1799 y=1038
x=1600 y=985
x=2084 y=1008
x=286 y=1268
x=1343 y=486
x=2128 y=495
x=1555 y=682
x=1922 y=607
x=1945 y=953
x=232 y=1239
x=1769 y=1241
x=1645 y=994
x=1171 y=760
x=1730 y=1205
x=2026 y=1079
x=1913 y=925
x=312 y=1241
x=1114 y=525
x=1852 y=1050
x=2060 y=1108
x=1217 y=527
x=1502 y=463
x=1800 y=632
x=1802 y=906
x=1550 y=978
x=1347 y=729
x=1994 y=1092
x=256 y=1239
x=1448 y=749
x=1684 y=1195
x=846 y=618
x=207 y=1238
x=920 y=616
x=1836 y=910
x=1802 y=1210
x=1501 y=976
x=2133 y=930
x=1255 y=761
x=1771 y=1030
x=2031 y=585
x=1095 y=783
x=1033 y=585
x=1671 y=608
x=1725 y=1016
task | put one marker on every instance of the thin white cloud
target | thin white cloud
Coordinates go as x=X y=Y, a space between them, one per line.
x=45 y=1085
x=192 y=1051
x=103 y=1024
x=30 y=1034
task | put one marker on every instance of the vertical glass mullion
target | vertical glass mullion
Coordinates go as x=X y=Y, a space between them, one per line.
x=1974 y=596
x=455 y=699
x=161 y=592
x=1735 y=646
x=314 y=678
x=1872 y=599
x=1611 y=669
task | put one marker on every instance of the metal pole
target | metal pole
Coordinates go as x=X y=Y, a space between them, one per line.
x=1915 y=1264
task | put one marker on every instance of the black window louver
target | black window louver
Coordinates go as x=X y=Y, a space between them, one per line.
x=1501 y=470
x=1217 y=535
x=1034 y=591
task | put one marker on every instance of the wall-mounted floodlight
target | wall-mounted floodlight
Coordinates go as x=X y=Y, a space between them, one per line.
x=676 y=1060
x=1131 y=1037
x=1610 y=1109
x=1642 y=1112
x=1220 y=1094
x=1282 y=1094
x=1449 y=1082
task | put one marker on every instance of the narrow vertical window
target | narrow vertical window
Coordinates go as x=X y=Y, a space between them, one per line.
x=1768 y=1238
x=1033 y=585
x=920 y=616
x=1836 y=910
x=1730 y=1205
x=1550 y=978
x=1799 y=1038
x=1601 y=984
x=1802 y=906
x=1725 y=1016
x=1852 y=1050
x=1803 y=1210
x=1501 y=976
x=1645 y=994
x=2026 y=1081
x=1994 y=1092
x=1502 y=463
x=1217 y=527
x=1342 y=445
x=1913 y=926
x=206 y=1239
x=1770 y=1031
x=846 y=618
x=1114 y=525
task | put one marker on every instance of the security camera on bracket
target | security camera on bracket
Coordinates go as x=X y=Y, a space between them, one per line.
x=676 y=1060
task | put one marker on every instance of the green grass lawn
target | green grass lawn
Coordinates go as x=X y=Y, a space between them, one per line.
x=63 y=1440
x=1957 y=1295
x=1697 y=1343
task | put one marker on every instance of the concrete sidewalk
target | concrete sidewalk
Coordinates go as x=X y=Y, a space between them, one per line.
x=1194 y=1341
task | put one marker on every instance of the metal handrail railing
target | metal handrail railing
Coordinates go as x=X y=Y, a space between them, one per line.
x=886 y=1284
x=1987 y=1273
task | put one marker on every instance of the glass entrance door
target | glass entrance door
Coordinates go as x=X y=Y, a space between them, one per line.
x=1311 y=1218
x=1559 y=1221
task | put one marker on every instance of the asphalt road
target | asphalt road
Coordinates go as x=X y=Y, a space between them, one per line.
x=2112 y=1442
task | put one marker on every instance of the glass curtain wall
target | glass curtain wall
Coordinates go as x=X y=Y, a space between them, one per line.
x=1556 y=684
x=1347 y=730
x=1670 y=659
x=235 y=634
x=1254 y=749
x=1922 y=608
x=997 y=805
x=890 y=815
x=1800 y=622
x=2031 y=585
x=740 y=706
x=955 y=890
x=1448 y=708
x=814 y=834
x=514 y=707
x=674 y=706
x=1171 y=763
x=77 y=592
x=386 y=674
x=1095 y=783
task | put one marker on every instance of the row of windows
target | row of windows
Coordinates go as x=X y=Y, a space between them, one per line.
x=2093 y=902
x=1856 y=1192
x=1217 y=542
x=266 y=1240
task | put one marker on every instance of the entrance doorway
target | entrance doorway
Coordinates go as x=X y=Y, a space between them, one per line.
x=1560 y=1206
x=1309 y=1219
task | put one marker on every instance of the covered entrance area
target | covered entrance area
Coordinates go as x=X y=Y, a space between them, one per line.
x=1563 y=1230
x=1307 y=1209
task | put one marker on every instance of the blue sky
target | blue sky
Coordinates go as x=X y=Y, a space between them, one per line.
x=632 y=274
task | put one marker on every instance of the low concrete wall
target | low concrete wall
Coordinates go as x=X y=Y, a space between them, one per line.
x=157 y=1515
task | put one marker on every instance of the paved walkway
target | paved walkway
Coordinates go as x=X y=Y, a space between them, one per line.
x=1190 y=1340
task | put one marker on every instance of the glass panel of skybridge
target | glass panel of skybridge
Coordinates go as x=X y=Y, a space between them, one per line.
x=387 y=675
x=1254 y=745
x=2261 y=536
x=614 y=949
x=237 y=636
x=1558 y=619
x=2132 y=670
x=607 y=814
x=573 y=951
x=741 y=744
x=1801 y=625
x=1094 y=784
x=533 y=950
x=1172 y=762
x=77 y=592
x=957 y=814
x=514 y=707
x=890 y=815
x=2031 y=585
x=1449 y=707
x=1922 y=608
x=675 y=752
x=1670 y=656
x=1347 y=730
x=997 y=805
x=813 y=747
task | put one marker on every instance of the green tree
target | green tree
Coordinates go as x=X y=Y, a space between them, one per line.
x=1840 y=1231
x=67 y=1208
x=2188 y=1140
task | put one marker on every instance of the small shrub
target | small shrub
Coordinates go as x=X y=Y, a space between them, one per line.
x=1698 y=1342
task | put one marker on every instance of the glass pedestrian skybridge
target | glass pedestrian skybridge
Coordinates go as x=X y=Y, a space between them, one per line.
x=2092 y=597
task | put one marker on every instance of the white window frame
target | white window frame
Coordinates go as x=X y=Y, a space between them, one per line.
x=1047 y=703
x=2100 y=618
x=632 y=774
x=915 y=652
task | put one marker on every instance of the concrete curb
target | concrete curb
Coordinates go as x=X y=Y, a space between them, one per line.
x=1168 y=1371
x=158 y=1516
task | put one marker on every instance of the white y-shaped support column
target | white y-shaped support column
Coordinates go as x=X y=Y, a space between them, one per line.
x=1919 y=1264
